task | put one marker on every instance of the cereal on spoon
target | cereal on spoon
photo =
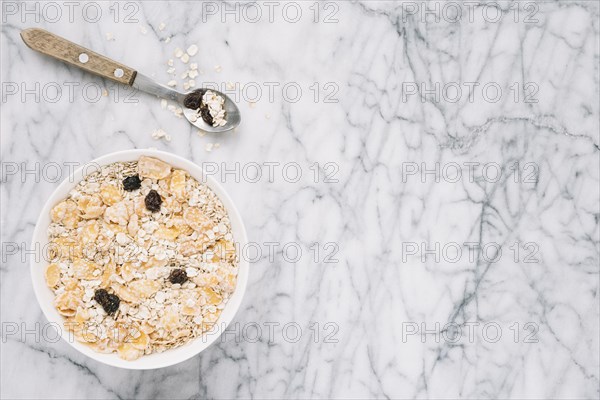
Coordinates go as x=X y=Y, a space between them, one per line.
x=208 y=105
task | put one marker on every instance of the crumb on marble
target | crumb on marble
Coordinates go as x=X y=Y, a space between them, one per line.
x=161 y=134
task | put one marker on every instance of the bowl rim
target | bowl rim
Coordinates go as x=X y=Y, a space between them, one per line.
x=171 y=356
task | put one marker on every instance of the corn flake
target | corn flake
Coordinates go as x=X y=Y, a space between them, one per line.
x=117 y=213
x=144 y=288
x=84 y=269
x=124 y=293
x=177 y=184
x=65 y=213
x=90 y=207
x=165 y=233
x=196 y=219
x=90 y=232
x=67 y=302
x=65 y=248
x=128 y=352
x=149 y=167
x=52 y=275
x=110 y=194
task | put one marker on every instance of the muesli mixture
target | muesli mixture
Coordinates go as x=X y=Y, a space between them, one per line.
x=142 y=258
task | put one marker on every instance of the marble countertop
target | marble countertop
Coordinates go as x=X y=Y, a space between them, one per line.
x=420 y=185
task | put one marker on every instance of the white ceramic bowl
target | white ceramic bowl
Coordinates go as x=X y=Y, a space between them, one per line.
x=45 y=296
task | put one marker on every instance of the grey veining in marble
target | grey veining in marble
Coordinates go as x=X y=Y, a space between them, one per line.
x=458 y=188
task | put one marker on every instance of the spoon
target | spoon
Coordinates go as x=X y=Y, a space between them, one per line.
x=71 y=53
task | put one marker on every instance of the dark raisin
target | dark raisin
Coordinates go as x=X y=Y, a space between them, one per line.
x=194 y=99
x=205 y=114
x=110 y=302
x=178 y=276
x=192 y=103
x=153 y=201
x=132 y=183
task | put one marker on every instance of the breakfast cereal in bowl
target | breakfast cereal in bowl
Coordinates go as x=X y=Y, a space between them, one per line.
x=141 y=258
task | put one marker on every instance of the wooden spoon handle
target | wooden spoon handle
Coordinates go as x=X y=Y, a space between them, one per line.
x=74 y=54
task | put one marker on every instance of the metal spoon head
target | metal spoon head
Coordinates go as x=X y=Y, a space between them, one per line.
x=232 y=113
x=232 y=116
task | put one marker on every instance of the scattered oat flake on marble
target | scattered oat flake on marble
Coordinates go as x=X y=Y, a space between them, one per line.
x=160 y=134
x=192 y=50
x=161 y=26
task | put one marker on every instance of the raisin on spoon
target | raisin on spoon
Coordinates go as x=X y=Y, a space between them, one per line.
x=194 y=99
x=205 y=113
